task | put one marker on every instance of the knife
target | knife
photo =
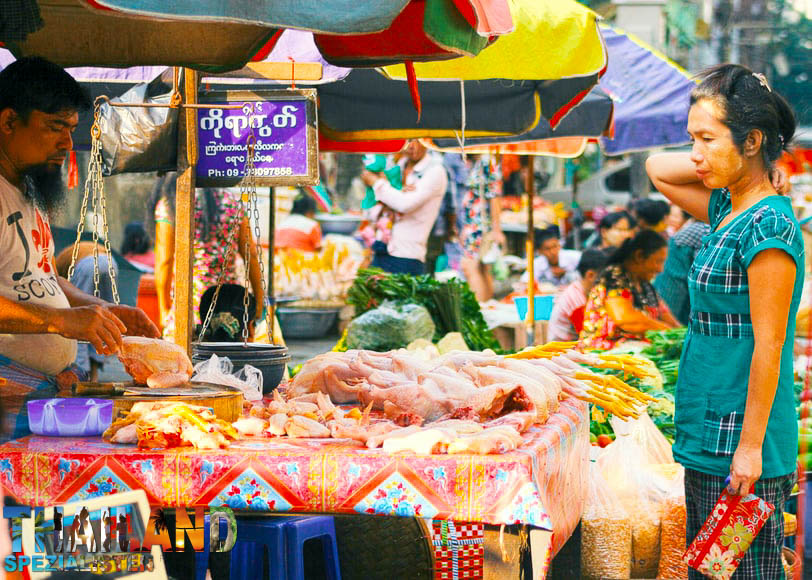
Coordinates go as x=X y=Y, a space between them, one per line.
x=89 y=389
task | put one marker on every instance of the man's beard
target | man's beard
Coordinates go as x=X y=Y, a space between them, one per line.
x=44 y=186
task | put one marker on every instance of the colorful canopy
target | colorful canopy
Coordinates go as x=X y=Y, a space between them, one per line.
x=425 y=30
x=331 y=16
x=651 y=100
x=591 y=118
x=73 y=33
x=553 y=39
x=366 y=106
x=217 y=36
x=651 y=95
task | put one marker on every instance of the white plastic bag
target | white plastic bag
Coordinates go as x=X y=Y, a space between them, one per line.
x=641 y=487
x=218 y=370
x=606 y=532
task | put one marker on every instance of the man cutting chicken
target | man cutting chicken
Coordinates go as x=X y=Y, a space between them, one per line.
x=42 y=315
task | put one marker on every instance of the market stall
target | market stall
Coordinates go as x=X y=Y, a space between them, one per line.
x=540 y=484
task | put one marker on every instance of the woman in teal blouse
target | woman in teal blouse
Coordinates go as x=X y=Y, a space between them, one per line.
x=735 y=413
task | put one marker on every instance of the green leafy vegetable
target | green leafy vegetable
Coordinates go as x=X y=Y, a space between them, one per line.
x=452 y=305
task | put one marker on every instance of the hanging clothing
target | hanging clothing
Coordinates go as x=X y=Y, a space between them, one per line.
x=484 y=183
x=210 y=248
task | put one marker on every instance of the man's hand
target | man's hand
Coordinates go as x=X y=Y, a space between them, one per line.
x=95 y=324
x=136 y=321
x=744 y=470
x=779 y=181
x=369 y=178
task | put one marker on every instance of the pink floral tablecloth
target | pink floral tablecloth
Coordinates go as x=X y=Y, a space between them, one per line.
x=541 y=484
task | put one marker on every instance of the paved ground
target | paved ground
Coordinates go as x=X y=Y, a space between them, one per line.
x=303 y=350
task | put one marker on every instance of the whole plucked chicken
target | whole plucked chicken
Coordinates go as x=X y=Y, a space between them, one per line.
x=154 y=362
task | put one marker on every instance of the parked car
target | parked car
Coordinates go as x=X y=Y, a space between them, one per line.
x=609 y=186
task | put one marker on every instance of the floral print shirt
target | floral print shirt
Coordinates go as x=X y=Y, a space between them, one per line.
x=475 y=213
x=600 y=330
x=209 y=249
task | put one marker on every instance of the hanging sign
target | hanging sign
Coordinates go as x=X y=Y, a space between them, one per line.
x=283 y=123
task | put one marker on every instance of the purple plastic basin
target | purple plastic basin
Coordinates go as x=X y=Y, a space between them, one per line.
x=69 y=417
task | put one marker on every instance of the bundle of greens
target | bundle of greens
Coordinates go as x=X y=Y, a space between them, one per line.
x=665 y=350
x=452 y=305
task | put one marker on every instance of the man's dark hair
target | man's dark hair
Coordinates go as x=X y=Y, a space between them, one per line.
x=33 y=83
x=547 y=233
x=136 y=239
x=303 y=205
x=646 y=241
x=591 y=259
x=651 y=211
x=610 y=219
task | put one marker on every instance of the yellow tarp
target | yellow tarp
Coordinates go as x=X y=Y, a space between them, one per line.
x=553 y=39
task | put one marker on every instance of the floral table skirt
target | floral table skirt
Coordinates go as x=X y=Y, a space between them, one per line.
x=541 y=484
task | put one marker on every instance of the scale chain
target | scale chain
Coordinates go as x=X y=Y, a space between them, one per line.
x=94 y=188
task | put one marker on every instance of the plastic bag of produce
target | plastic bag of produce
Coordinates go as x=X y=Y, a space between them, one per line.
x=645 y=433
x=641 y=487
x=606 y=532
x=390 y=326
x=672 y=531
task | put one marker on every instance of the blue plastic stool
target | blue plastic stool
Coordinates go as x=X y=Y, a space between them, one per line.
x=298 y=531
x=254 y=536
x=202 y=558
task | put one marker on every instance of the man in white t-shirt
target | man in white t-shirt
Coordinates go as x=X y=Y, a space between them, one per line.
x=417 y=206
x=42 y=315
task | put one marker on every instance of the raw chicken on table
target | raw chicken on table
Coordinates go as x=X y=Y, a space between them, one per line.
x=155 y=362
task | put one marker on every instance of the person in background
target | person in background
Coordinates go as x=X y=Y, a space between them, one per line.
x=137 y=247
x=299 y=230
x=736 y=423
x=623 y=304
x=675 y=220
x=217 y=212
x=228 y=319
x=567 y=318
x=480 y=227
x=417 y=205
x=651 y=214
x=553 y=265
x=672 y=283
x=613 y=229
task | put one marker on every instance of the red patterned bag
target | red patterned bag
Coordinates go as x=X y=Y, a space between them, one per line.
x=727 y=534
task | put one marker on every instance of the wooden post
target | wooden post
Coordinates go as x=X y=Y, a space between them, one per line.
x=185 y=214
x=530 y=320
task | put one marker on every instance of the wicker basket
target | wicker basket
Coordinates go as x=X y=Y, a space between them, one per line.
x=389 y=548
x=791 y=562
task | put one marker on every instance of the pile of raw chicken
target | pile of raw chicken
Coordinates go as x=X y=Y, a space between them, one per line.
x=461 y=402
